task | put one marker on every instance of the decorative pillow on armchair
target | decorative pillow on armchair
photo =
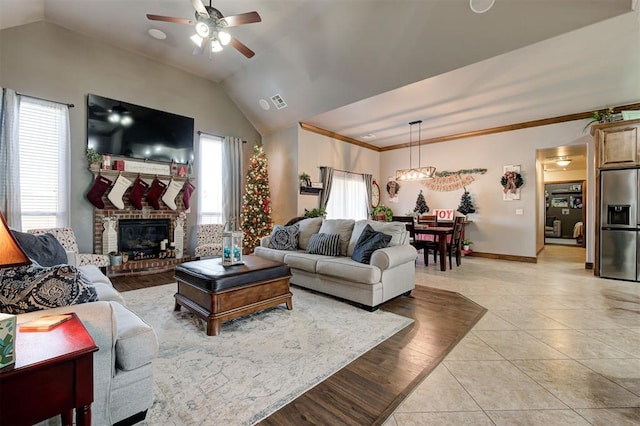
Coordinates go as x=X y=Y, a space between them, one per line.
x=34 y=287
x=284 y=237
x=45 y=249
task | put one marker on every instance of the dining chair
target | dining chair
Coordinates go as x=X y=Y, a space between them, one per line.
x=454 y=245
x=409 y=222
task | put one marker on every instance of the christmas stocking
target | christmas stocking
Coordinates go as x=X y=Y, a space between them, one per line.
x=116 y=193
x=99 y=187
x=155 y=192
x=188 y=189
x=135 y=196
x=169 y=197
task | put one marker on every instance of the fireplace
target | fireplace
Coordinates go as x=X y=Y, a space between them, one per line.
x=141 y=237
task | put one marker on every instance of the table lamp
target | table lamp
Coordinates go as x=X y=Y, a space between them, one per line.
x=10 y=255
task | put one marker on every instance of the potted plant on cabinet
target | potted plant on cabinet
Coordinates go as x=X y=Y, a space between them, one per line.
x=305 y=179
x=466 y=245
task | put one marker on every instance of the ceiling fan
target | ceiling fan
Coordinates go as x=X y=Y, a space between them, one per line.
x=210 y=28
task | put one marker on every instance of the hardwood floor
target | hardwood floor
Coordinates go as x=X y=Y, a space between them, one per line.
x=369 y=389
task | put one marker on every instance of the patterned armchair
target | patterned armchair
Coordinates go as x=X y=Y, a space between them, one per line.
x=209 y=240
x=67 y=239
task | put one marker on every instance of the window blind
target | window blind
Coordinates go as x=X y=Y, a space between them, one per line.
x=44 y=163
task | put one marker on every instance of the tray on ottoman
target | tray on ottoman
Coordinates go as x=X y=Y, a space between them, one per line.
x=219 y=293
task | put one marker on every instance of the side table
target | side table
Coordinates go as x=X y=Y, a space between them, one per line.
x=53 y=374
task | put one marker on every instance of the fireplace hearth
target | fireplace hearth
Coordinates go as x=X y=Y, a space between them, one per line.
x=141 y=238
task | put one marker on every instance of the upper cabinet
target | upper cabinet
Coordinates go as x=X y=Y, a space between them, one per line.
x=617 y=144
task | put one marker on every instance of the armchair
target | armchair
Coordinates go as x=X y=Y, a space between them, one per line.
x=553 y=227
x=67 y=239
x=209 y=240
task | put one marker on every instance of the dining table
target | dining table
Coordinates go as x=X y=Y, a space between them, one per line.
x=441 y=233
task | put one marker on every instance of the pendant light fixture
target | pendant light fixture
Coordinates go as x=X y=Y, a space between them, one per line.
x=417 y=173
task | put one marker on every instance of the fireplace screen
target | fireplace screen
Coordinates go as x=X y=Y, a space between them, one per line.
x=142 y=236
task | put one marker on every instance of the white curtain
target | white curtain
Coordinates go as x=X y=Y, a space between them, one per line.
x=232 y=180
x=348 y=198
x=10 y=159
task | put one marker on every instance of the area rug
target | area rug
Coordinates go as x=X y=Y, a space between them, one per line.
x=257 y=363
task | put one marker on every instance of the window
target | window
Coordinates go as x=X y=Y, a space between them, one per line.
x=43 y=139
x=210 y=180
x=348 y=198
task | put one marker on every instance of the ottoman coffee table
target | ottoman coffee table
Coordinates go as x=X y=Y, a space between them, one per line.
x=219 y=293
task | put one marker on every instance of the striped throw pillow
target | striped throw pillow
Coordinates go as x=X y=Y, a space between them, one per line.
x=326 y=244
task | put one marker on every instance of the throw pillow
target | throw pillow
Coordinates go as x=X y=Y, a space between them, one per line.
x=284 y=237
x=45 y=249
x=34 y=287
x=369 y=242
x=326 y=244
x=344 y=227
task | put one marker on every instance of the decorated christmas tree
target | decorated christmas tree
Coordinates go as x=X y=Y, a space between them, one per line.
x=421 y=204
x=466 y=205
x=256 y=201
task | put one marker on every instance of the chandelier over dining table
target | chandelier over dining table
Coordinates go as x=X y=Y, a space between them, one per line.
x=415 y=173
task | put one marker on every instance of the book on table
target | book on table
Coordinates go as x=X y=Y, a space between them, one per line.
x=45 y=323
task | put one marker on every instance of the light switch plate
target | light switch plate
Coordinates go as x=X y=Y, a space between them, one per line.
x=519 y=212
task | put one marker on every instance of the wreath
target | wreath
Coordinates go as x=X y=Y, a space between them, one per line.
x=511 y=181
x=397 y=188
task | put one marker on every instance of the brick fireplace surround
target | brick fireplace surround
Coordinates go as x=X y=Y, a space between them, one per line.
x=133 y=267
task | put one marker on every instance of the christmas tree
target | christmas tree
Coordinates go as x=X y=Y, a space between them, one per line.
x=421 y=204
x=466 y=205
x=256 y=201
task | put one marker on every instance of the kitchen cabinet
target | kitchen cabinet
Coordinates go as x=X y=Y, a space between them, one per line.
x=617 y=144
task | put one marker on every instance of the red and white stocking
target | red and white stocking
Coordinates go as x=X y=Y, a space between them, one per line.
x=135 y=196
x=188 y=189
x=116 y=193
x=155 y=192
x=169 y=197
x=99 y=187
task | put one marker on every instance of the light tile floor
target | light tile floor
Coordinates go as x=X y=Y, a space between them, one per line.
x=558 y=346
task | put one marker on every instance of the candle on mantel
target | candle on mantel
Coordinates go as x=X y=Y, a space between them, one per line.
x=163 y=245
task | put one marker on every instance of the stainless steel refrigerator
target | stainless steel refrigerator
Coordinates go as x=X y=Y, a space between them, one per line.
x=620 y=224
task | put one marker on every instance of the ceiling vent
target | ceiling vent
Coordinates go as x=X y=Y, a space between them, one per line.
x=278 y=101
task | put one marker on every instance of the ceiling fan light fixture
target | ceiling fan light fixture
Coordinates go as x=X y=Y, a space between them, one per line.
x=224 y=37
x=126 y=121
x=197 y=40
x=114 y=117
x=202 y=29
x=216 y=46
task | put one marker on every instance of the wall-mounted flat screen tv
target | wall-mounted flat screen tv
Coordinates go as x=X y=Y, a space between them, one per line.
x=128 y=130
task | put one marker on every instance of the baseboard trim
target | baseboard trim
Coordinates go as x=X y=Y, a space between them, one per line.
x=509 y=257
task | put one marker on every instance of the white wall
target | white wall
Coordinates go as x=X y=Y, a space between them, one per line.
x=496 y=228
x=48 y=61
x=281 y=149
x=316 y=150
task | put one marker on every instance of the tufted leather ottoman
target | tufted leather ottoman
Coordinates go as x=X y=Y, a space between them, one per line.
x=217 y=293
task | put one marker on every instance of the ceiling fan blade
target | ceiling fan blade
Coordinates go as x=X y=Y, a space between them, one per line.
x=199 y=7
x=170 y=19
x=240 y=47
x=201 y=49
x=241 y=19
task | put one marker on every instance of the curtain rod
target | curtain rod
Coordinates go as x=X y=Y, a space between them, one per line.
x=48 y=100
x=343 y=171
x=200 y=132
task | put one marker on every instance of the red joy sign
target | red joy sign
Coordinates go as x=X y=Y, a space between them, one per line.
x=444 y=214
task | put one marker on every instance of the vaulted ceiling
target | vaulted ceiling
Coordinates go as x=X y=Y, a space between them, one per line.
x=370 y=66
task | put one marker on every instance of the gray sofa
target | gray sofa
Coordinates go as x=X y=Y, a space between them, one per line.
x=122 y=367
x=390 y=273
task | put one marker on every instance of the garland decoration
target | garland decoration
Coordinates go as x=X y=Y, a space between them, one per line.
x=446 y=173
x=393 y=187
x=511 y=181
